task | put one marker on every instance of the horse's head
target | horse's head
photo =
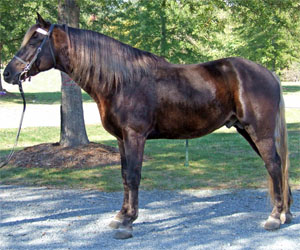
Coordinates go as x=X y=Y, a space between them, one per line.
x=35 y=55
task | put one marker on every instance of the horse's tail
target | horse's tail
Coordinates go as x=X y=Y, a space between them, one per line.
x=281 y=137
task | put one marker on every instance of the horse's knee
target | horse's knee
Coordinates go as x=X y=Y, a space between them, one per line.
x=133 y=180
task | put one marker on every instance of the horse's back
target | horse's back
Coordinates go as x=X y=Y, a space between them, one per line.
x=194 y=100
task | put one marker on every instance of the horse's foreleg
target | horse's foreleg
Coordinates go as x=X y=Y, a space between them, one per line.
x=119 y=218
x=131 y=150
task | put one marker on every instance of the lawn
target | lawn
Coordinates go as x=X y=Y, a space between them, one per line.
x=220 y=160
x=42 y=89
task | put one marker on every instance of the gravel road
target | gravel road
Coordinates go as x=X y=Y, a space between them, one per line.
x=42 y=218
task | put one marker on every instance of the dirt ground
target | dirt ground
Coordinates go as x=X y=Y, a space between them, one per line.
x=49 y=155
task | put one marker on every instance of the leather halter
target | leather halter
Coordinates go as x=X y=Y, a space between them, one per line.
x=47 y=36
x=25 y=70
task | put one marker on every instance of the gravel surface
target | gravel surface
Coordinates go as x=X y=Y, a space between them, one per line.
x=42 y=218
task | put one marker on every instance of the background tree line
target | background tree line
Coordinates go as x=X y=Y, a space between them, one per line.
x=183 y=31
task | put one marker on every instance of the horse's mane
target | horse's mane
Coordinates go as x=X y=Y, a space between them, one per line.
x=96 y=58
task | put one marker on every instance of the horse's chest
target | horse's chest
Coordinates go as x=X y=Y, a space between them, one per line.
x=109 y=119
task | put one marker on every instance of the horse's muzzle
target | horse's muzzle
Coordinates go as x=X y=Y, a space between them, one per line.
x=10 y=77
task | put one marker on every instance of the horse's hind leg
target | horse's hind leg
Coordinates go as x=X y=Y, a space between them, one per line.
x=244 y=133
x=264 y=141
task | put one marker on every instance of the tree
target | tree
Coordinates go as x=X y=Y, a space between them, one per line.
x=15 y=20
x=1 y=88
x=12 y=24
x=73 y=131
x=195 y=29
x=267 y=31
x=181 y=31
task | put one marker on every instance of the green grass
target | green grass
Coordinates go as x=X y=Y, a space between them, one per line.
x=38 y=98
x=220 y=160
x=43 y=89
x=291 y=88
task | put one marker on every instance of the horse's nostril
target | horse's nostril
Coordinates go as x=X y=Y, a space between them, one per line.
x=6 y=73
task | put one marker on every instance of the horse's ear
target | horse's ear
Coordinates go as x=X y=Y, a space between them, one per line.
x=41 y=21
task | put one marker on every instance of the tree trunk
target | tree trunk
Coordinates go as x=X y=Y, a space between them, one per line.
x=1 y=88
x=73 y=131
x=163 y=18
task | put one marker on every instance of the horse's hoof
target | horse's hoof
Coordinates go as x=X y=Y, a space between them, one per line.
x=286 y=218
x=272 y=223
x=114 y=224
x=123 y=233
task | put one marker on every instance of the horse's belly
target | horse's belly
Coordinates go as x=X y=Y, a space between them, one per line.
x=187 y=123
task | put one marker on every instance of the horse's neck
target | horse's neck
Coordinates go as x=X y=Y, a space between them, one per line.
x=107 y=64
x=81 y=57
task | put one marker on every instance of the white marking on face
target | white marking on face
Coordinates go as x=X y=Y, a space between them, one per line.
x=44 y=32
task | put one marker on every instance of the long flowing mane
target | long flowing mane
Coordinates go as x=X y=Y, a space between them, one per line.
x=96 y=58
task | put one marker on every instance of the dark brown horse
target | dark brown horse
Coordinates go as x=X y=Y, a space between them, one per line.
x=141 y=96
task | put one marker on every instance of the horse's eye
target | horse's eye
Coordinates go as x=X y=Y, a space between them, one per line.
x=32 y=43
x=33 y=40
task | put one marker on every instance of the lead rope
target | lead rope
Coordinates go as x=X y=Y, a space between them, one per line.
x=3 y=164
x=24 y=72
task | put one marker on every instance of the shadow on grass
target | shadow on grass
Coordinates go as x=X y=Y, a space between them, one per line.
x=218 y=160
x=291 y=89
x=4 y=153
x=293 y=126
x=39 y=98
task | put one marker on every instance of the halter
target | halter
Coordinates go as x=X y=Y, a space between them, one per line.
x=25 y=70
x=29 y=65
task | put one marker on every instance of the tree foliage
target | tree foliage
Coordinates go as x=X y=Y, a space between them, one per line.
x=15 y=18
x=267 y=31
x=183 y=31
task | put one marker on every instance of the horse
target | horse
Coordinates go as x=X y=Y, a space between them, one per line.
x=142 y=96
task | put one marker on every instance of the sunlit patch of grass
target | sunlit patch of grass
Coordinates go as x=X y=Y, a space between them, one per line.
x=218 y=160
